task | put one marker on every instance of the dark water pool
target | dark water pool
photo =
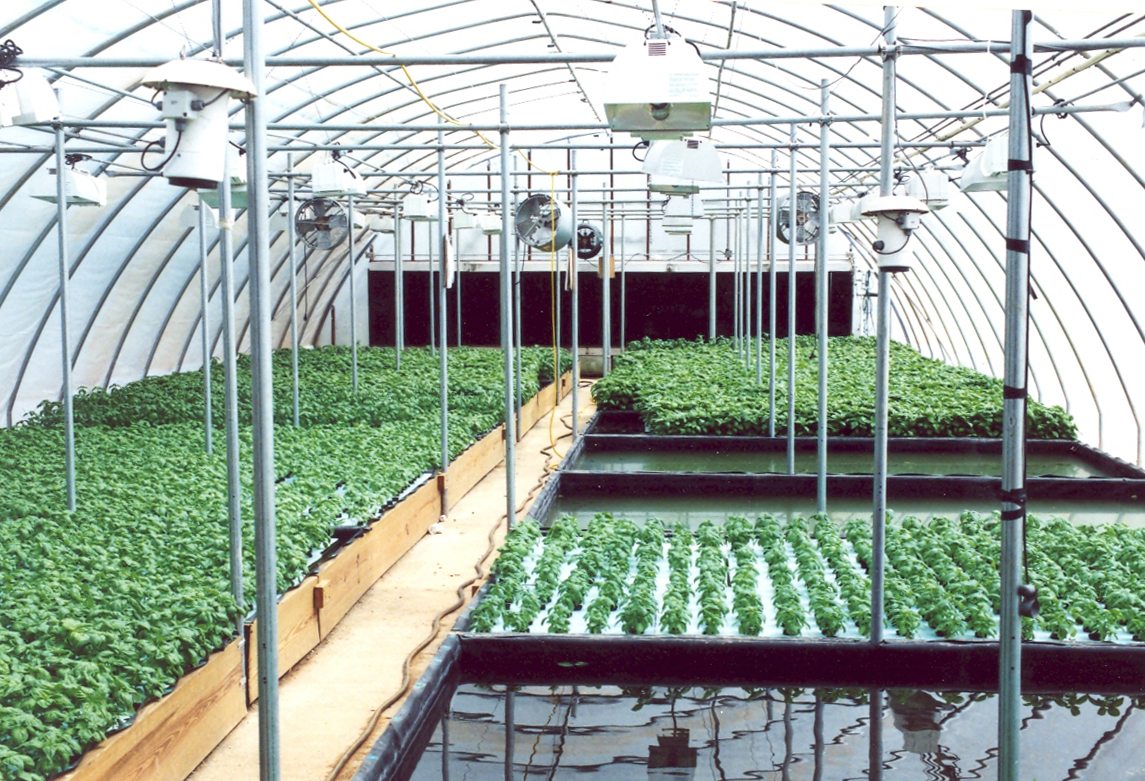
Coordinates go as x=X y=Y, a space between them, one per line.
x=917 y=463
x=692 y=510
x=733 y=734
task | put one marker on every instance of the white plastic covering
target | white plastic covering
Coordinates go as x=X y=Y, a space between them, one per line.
x=135 y=299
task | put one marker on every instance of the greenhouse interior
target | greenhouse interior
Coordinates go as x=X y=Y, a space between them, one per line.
x=680 y=390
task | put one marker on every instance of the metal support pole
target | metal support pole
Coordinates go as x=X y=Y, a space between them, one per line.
x=792 y=233
x=353 y=299
x=205 y=329
x=1014 y=394
x=623 y=289
x=821 y=294
x=399 y=292
x=772 y=295
x=606 y=290
x=291 y=241
x=759 y=283
x=510 y=733
x=882 y=349
x=875 y=748
x=429 y=287
x=443 y=314
x=575 y=282
x=711 y=279
x=506 y=319
x=262 y=396
x=746 y=244
x=230 y=378
x=65 y=331
x=735 y=289
x=518 y=320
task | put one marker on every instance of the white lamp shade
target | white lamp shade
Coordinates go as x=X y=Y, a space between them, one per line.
x=28 y=101
x=987 y=171
x=199 y=73
x=694 y=159
x=382 y=223
x=415 y=206
x=930 y=186
x=80 y=189
x=658 y=89
x=463 y=220
x=491 y=224
x=332 y=179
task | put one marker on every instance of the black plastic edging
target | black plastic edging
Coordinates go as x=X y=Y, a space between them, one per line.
x=899 y=487
x=671 y=660
x=395 y=754
x=1111 y=466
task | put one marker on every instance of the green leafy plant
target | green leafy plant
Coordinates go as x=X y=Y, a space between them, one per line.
x=684 y=387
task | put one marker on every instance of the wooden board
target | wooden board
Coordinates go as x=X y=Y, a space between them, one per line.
x=470 y=468
x=171 y=736
x=297 y=632
x=350 y=574
x=540 y=405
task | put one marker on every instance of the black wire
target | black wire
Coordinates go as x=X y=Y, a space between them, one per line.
x=646 y=145
x=157 y=142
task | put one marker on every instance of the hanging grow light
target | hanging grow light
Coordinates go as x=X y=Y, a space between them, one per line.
x=680 y=167
x=490 y=224
x=333 y=178
x=382 y=223
x=415 y=206
x=988 y=170
x=80 y=187
x=898 y=217
x=679 y=214
x=195 y=106
x=27 y=100
x=658 y=89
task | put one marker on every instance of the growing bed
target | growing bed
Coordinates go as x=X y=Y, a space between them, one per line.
x=106 y=608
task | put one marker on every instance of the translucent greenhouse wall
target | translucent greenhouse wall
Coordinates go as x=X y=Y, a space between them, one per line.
x=134 y=289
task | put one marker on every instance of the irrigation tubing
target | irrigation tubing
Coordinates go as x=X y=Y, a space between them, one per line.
x=478 y=566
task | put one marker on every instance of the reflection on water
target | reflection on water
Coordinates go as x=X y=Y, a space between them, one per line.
x=697 y=734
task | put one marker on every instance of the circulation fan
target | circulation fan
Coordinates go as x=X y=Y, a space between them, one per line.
x=807 y=219
x=589 y=241
x=321 y=223
x=543 y=223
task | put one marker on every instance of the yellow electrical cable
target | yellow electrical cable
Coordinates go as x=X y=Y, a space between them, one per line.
x=416 y=87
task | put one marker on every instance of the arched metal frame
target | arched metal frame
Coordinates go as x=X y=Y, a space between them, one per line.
x=1087 y=339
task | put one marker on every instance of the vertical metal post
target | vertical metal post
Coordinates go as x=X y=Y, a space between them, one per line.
x=518 y=320
x=506 y=319
x=821 y=294
x=353 y=299
x=606 y=289
x=772 y=295
x=746 y=243
x=399 y=291
x=65 y=331
x=291 y=241
x=882 y=348
x=623 y=288
x=445 y=747
x=510 y=733
x=429 y=286
x=457 y=281
x=711 y=279
x=1014 y=394
x=735 y=283
x=443 y=314
x=230 y=377
x=262 y=395
x=205 y=330
x=791 y=278
x=759 y=282
x=875 y=749
x=575 y=282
